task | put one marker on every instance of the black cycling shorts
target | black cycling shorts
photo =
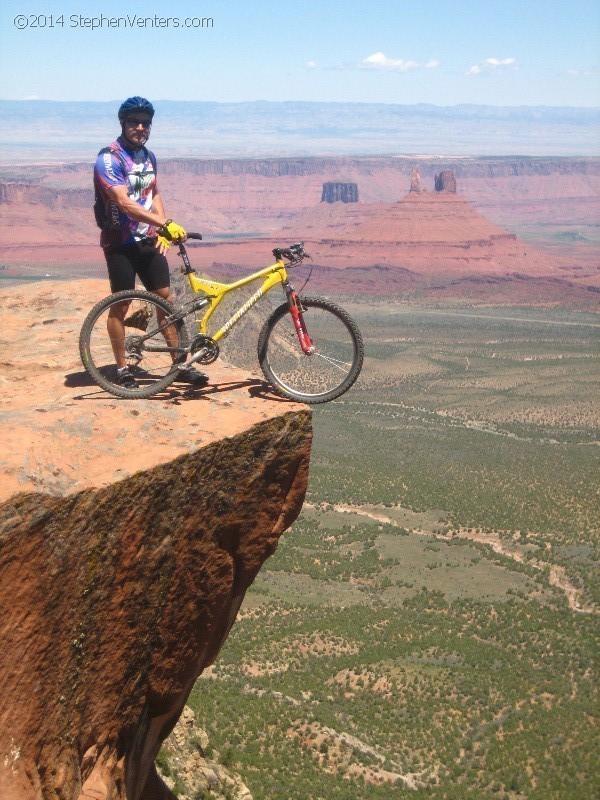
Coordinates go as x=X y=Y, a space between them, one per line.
x=126 y=261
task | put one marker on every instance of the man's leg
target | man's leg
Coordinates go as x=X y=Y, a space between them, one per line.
x=121 y=273
x=116 y=332
x=169 y=333
x=154 y=274
x=165 y=293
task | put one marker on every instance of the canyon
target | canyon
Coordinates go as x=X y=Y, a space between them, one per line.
x=130 y=532
x=510 y=221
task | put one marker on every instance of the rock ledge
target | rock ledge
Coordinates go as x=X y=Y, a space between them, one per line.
x=129 y=533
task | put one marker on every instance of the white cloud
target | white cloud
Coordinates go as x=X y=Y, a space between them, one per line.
x=311 y=65
x=31 y=97
x=582 y=73
x=491 y=64
x=501 y=62
x=380 y=61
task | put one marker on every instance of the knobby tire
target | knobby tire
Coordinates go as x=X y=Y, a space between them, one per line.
x=154 y=371
x=330 y=370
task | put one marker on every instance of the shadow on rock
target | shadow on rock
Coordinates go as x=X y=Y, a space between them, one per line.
x=176 y=393
x=79 y=379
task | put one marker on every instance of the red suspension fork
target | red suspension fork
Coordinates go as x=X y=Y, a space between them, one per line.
x=299 y=324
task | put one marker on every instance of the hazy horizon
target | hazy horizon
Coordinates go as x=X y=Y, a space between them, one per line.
x=383 y=79
x=38 y=130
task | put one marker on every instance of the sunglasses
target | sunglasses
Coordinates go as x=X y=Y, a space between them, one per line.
x=135 y=121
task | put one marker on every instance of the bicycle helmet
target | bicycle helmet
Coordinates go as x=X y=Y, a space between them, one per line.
x=133 y=105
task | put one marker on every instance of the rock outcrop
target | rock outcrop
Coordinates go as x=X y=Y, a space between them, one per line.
x=415 y=181
x=129 y=533
x=263 y=203
x=184 y=766
x=445 y=181
x=334 y=192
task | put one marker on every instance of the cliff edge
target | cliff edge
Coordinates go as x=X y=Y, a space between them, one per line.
x=129 y=533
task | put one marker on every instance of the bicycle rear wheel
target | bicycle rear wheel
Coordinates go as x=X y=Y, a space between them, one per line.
x=150 y=347
x=322 y=375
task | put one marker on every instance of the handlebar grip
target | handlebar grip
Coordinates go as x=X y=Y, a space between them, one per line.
x=194 y=235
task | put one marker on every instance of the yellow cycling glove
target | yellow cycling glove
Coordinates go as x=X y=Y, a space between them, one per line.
x=170 y=232
x=163 y=243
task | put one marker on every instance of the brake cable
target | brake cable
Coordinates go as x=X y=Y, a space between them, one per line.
x=307 y=280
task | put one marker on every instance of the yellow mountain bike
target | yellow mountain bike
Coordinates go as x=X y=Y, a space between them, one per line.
x=309 y=349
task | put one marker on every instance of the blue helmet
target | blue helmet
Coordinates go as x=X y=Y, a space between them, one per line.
x=135 y=104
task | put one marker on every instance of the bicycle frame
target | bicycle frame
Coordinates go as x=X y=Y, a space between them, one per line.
x=215 y=292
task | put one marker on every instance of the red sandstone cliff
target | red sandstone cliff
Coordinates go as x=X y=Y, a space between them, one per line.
x=129 y=533
x=263 y=195
x=431 y=242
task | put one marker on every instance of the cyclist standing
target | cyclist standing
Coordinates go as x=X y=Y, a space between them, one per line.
x=136 y=233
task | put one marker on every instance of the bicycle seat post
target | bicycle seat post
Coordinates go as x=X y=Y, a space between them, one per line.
x=187 y=267
x=183 y=253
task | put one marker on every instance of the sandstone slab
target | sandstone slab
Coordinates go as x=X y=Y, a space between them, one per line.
x=129 y=533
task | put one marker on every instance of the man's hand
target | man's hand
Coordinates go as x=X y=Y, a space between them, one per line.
x=168 y=233
x=162 y=245
x=172 y=232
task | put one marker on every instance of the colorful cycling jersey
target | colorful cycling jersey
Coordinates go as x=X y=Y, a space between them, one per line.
x=135 y=169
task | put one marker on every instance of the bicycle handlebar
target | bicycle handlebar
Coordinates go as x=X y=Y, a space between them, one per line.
x=295 y=252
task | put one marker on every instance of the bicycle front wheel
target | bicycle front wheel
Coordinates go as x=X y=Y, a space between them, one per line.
x=150 y=341
x=319 y=376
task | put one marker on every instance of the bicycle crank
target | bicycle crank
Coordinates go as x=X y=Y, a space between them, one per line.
x=209 y=347
x=204 y=351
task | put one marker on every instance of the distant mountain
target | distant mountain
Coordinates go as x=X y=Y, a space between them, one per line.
x=38 y=130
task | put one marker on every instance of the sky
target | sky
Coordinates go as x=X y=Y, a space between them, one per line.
x=443 y=52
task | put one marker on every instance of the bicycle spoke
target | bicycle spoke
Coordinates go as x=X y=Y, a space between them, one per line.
x=344 y=366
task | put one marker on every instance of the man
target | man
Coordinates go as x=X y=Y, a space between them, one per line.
x=136 y=233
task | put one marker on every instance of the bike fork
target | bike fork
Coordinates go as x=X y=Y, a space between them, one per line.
x=296 y=311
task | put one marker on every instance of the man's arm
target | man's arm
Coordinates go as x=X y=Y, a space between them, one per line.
x=157 y=204
x=119 y=195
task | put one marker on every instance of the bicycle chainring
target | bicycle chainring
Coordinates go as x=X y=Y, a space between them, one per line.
x=205 y=342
